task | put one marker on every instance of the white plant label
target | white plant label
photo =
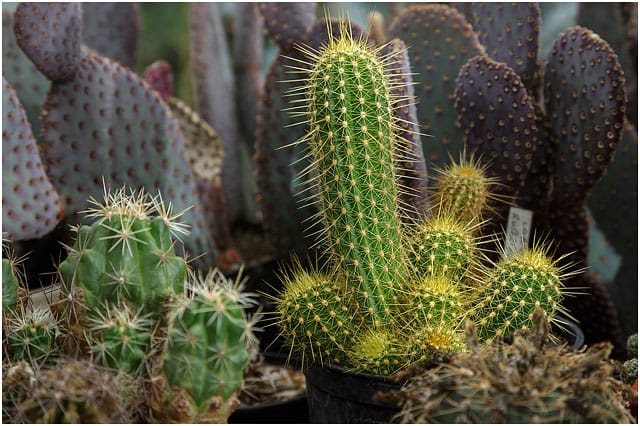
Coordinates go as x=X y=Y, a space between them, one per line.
x=518 y=230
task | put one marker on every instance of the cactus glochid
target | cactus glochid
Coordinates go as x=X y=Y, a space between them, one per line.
x=353 y=143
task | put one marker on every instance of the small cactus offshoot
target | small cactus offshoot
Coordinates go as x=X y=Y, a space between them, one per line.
x=208 y=347
x=463 y=190
x=314 y=312
x=514 y=288
x=32 y=336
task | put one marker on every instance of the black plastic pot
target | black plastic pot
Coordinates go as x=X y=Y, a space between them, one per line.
x=291 y=411
x=337 y=395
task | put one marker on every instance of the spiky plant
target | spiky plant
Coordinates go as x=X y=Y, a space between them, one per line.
x=121 y=338
x=352 y=139
x=463 y=190
x=31 y=336
x=443 y=245
x=407 y=288
x=127 y=254
x=315 y=315
x=514 y=287
x=527 y=381
x=207 y=349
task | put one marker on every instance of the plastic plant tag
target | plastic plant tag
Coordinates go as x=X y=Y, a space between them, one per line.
x=518 y=230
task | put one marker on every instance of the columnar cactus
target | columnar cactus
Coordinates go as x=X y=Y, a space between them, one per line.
x=352 y=142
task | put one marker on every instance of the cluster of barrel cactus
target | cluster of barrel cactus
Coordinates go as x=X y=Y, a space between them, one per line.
x=390 y=292
x=509 y=124
x=130 y=313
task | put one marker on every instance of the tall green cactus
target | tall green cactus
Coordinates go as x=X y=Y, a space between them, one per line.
x=352 y=140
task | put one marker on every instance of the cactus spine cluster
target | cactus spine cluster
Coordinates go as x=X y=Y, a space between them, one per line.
x=126 y=254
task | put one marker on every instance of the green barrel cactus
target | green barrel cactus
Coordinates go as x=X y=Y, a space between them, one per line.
x=514 y=288
x=207 y=347
x=352 y=142
x=31 y=336
x=126 y=254
x=122 y=339
x=315 y=316
x=442 y=246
